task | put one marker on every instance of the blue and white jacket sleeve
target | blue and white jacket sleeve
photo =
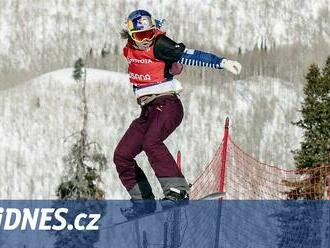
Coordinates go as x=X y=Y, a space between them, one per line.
x=198 y=58
x=167 y=50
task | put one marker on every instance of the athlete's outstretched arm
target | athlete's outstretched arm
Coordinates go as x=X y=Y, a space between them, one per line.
x=168 y=50
x=200 y=58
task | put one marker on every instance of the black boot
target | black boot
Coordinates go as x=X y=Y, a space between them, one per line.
x=139 y=208
x=174 y=197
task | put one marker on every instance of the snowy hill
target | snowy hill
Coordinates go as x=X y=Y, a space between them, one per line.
x=40 y=115
x=39 y=30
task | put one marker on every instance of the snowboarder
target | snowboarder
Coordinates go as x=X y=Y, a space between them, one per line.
x=153 y=60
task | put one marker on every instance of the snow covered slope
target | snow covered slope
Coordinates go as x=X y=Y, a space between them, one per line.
x=38 y=117
x=49 y=28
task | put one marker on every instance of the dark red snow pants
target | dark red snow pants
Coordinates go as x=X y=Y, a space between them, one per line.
x=157 y=121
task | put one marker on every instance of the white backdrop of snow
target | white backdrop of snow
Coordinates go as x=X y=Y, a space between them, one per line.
x=229 y=24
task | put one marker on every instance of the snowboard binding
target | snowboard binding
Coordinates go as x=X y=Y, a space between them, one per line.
x=174 y=197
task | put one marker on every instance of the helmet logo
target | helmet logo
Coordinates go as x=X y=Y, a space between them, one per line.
x=143 y=23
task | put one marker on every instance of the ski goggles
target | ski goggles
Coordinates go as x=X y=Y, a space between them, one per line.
x=143 y=36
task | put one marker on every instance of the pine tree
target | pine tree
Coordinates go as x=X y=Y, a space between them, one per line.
x=315 y=119
x=84 y=163
x=85 y=160
x=312 y=159
x=78 y=67
x=304 y=219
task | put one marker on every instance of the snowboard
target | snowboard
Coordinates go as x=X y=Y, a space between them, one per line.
x=160 y=210
x=214 y=196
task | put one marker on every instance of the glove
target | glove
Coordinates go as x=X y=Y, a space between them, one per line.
x=231 y=65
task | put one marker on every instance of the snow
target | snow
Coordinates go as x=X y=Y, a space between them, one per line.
x=63 y=76
x=51 y=26
x=40 y=115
